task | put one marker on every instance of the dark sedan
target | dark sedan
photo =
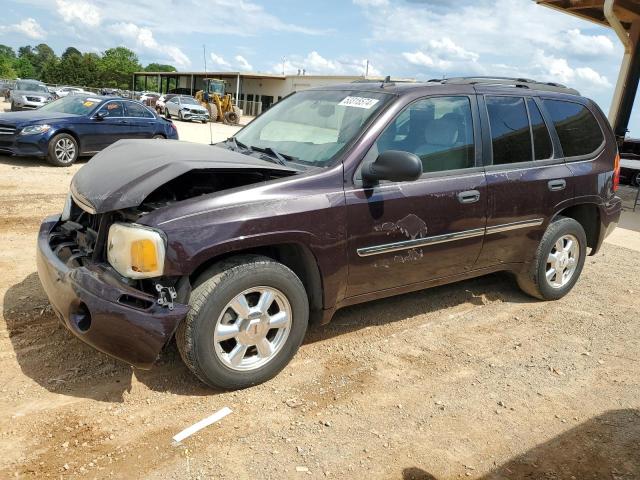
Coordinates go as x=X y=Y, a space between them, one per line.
x=77 y=125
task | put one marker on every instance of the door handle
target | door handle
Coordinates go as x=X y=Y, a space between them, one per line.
x=557 y=185
x=470 y=196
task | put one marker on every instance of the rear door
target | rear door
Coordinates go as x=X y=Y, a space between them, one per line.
x=141 y=120
x=403 y=233
x=527 y=178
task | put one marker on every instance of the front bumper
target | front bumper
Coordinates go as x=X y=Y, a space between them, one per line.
x=29 y=104
x=25 y=145
x=89 y=301
x=200 y=117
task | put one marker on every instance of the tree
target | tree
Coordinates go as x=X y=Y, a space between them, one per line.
x=6 y=68
x=159 y=67
x=71 y=51
x=117 y=67
x=42 y=54
x=24 y=68
x=7 y=52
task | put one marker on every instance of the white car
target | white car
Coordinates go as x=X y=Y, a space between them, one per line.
x=187 y=108
x=144 y=96
x=160 y=103
x=64 y=91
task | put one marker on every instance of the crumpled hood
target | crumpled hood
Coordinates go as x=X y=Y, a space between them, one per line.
x=124 y=174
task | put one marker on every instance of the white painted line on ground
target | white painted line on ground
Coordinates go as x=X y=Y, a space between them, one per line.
x=187 y=432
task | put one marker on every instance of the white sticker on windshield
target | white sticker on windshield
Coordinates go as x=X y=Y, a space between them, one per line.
x=89 y=99
x=359 y=102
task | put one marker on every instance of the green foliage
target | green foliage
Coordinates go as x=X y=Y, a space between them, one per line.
x=114 y=68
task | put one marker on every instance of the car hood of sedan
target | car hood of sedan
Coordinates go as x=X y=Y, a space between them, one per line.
x=31 y=116
x=124 y=174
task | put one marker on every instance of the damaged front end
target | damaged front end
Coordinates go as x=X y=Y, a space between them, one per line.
x=103 y=270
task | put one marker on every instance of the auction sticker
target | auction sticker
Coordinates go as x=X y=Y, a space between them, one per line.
x=359 y=102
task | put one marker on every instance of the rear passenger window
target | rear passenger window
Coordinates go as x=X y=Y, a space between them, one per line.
x=439 y=130
x=542 y=148
x=135 y=110
x=577 y=128
x=510 y=134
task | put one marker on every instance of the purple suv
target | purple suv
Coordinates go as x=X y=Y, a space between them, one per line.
x=332 y=197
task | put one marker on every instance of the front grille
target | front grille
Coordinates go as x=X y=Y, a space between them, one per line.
x=35 y=99
x=80 y=239
x=7 y=130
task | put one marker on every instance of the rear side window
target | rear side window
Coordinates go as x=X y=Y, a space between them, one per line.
x=577 y=128
x=135 y=110
x=542 y=148
x=510 y=133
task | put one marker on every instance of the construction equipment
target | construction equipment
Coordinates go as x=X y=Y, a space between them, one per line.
x=217 y=102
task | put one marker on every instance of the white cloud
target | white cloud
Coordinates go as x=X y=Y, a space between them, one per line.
x=590 y=75
x=219 y=61
x=589 y=45
x=243 y=64
x=74 y=11
x=28 y=27
x=371 y=3
x=558 y=69
x=145 y=41
x=315 y=64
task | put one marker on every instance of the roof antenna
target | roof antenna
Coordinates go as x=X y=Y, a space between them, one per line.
x=205 y=94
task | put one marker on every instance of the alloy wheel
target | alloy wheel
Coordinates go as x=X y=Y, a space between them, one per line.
x=252 y=328
x=65 y=150
x=562 y=261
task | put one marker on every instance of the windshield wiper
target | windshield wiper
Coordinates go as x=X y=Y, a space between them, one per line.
x=280 y=157
x=236 y=144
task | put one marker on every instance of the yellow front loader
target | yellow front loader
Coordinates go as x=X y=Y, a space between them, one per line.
x=217 y=102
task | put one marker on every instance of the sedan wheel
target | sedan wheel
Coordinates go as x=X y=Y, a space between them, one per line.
x=63 y=150
x=635 y=180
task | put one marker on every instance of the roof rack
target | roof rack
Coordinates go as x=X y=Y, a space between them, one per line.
x=509 y=82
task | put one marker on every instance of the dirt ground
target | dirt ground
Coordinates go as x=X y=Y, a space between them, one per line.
x=471 y=380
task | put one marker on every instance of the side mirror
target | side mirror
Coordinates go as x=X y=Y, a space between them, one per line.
x=393 y=165
x=101 y=115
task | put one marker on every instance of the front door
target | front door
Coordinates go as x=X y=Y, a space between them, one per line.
x=527 y=178
x=108 y=129
x=403 y=233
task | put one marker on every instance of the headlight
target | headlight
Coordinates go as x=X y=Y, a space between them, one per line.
x=135 y=251
x=34 y=129
x=66 y=211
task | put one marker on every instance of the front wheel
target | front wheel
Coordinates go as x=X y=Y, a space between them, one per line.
x=558 y=261
x=167 y=115
x=63 y=150
x=248 y=317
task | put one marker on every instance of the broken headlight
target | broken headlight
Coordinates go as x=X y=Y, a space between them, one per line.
x=66 y=211
x=135 y=251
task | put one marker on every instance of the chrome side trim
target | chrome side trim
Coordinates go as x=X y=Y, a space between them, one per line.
x=448 y=237
x=419 y=242
x=505 y=227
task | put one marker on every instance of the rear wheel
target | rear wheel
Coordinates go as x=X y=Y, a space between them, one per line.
x=158 y=137
x=558 y=261
x=63 y=150
x=247 y=320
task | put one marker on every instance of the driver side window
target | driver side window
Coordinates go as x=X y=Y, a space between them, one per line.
x=113 y=109
x=439 y=130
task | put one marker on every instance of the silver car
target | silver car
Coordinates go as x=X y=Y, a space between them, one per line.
x=29 y=95
x=185 y=107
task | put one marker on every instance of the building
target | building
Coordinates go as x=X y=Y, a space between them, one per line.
x=253 y=92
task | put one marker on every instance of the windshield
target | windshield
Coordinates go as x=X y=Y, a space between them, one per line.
x=31 y=87
x=189 y=100
x=315 y=125
x=74 y=104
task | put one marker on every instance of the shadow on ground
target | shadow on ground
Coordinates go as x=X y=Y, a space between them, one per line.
x=32 y=161
x=605 y=447
x=61 y=363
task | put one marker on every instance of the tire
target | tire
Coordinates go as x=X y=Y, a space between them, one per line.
x=13 y=107
x=167 y=115
x=231 y=118
x=158 y=137
x=540 y=281
x=635 y=179
x=180 y=116
x=63 y=150
x=210 y=310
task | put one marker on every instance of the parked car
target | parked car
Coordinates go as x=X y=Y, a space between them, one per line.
x=186 y=108
x=28 y=95
x=64 y=91
x=630 y=161
x=147 y=97
x=334 y=196
x=77 y=125
x=160 y=103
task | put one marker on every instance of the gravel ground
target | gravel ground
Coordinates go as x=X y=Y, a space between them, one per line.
x=471 y=380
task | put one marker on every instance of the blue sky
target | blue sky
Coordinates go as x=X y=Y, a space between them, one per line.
x=406 y=38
